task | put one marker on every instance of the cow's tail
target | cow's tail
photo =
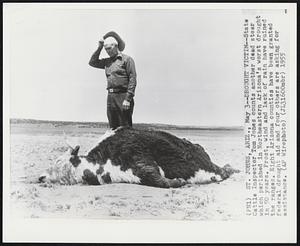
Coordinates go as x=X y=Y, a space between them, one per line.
x=228 y=170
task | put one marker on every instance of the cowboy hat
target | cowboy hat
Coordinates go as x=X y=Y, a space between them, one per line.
x=121 y=43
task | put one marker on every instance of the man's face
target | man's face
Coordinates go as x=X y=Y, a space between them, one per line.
x=111 y=49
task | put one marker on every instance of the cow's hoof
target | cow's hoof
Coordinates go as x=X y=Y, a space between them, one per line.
x=178 y=182
x=230 y=170
x=183 y=181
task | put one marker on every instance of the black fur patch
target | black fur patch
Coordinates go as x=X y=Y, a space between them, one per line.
x=75 y=161
x=90 y=178
x=106 y=178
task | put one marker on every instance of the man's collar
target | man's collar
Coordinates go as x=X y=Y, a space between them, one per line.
x=120 y=55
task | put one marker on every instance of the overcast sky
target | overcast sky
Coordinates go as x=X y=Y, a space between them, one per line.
x=189 y=64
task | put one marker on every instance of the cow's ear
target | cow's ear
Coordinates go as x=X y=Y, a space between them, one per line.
x=75 y=150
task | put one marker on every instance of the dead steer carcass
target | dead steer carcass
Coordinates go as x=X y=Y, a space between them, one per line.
x=147 y=157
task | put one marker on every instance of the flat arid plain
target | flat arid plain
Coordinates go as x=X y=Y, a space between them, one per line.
x=34 y=145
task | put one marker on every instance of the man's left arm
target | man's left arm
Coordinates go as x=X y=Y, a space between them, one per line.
x=130 y=69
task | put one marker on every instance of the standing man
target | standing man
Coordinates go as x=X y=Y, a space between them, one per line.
x=121 y=79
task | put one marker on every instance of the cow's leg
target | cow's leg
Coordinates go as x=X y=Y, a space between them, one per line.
x=150 y=175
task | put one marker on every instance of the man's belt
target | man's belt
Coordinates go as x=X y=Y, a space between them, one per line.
x=116 y=90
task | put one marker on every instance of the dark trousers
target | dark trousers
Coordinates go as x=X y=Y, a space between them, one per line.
x=116 y=115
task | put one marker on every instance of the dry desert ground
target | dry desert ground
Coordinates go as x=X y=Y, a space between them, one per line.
x=35 y=146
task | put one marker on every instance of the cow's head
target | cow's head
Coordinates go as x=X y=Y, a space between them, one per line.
x=72 y=168
x=66 y=169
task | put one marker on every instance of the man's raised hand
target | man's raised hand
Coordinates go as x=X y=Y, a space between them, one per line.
x=101 y=42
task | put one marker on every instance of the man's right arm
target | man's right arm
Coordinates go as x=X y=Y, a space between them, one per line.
x=95 y=61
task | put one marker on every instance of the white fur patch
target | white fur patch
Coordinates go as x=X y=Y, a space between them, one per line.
x=117 y=175
x=162 y=173
x=202 y=176
x=106 y=135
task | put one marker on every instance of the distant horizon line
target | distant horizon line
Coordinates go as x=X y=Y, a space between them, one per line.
x=138 y=123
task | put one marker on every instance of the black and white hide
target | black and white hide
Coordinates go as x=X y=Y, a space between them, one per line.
x=146 y=157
